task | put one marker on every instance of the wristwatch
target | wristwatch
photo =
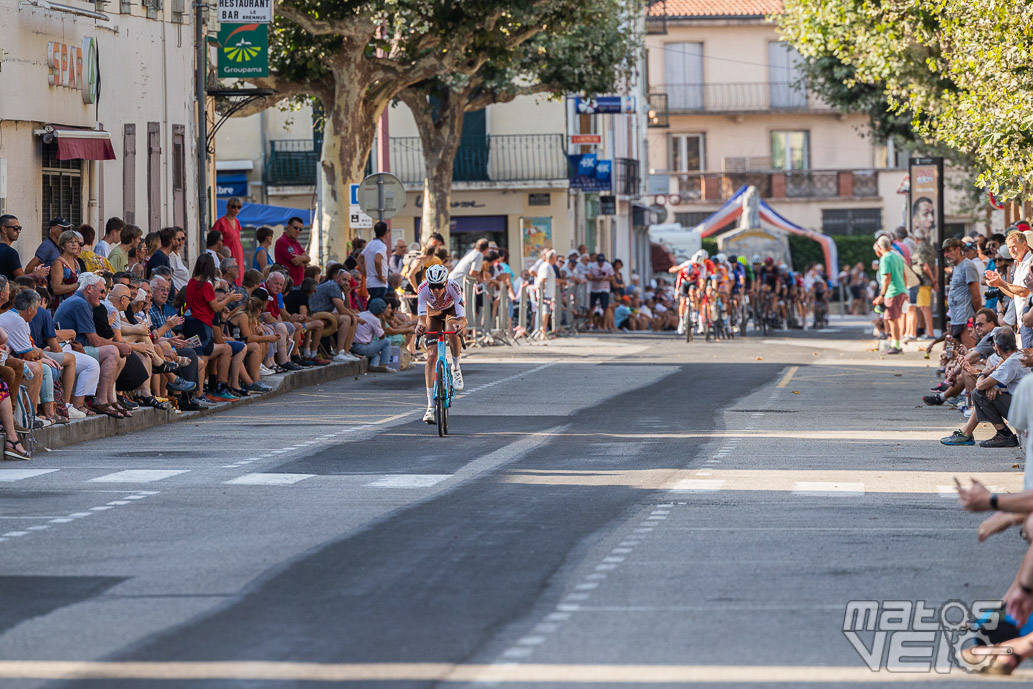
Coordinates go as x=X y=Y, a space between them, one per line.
x=993 y=502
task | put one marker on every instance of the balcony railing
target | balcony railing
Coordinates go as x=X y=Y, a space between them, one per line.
x=656 y=17
x=492 y=158
x=292 y=162
x=720 y=186
x=658 y=110
x=773 y=96
x=626 y=177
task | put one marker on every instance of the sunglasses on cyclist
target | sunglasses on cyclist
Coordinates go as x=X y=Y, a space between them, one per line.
x=436 y=288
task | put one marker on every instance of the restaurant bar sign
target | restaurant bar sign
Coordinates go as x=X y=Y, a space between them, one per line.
x=245 y=11
x=244 y=50
x=75 y=67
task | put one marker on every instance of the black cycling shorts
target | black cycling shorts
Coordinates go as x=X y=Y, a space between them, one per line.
x=686 y=287
x=437 y=324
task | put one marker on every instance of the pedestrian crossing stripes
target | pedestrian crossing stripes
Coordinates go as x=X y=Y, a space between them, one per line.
x=138 y=475
x=11 y=475
x=268 y=479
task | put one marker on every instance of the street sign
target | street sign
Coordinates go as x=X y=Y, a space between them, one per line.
x=245 y=50
x=605 y=105
x=245 y=11
x=381 y=195
x=357 y=220
x=586 y=138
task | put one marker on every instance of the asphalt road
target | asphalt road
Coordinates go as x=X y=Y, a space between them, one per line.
x=607 y=511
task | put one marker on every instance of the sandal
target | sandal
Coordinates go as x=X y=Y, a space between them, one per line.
x=11 y=451
x=153 y=403
x=86 y=410
x=109 y=410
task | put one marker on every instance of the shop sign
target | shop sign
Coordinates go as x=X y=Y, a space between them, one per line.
x=245 y=11
x=75 y=67
x=245 y=50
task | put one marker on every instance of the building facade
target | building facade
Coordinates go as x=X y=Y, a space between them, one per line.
x=97 y=115
x=727 y=109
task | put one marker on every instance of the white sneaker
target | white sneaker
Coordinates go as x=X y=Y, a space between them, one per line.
x=681 y=327
x=74 y=413
x=265 y=370
x=342 y=356
x=429 y=416
x=457 y=378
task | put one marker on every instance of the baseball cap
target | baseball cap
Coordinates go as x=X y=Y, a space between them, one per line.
x=1004 y=252
x=59 y=221
x=950 y=243
x=600 y=257
x=969 y=246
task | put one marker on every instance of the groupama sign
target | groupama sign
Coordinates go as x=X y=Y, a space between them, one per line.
x=244 y=50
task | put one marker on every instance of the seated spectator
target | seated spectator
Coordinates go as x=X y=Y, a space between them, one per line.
x=247 y=326
x=288 y=329
x=48 y=250
x=297 y=305
x=165 y=325
x=329 y=303
x=261 y=260
x=129 y=238
x=64 y=272
x=61 y=347
x=368 y=338
x=203 y=305
x=958 y=380
x=13 y=448
x=237 y=378
x=90 y=260
x=76 y=314
x=159 y=258
x=213 y=246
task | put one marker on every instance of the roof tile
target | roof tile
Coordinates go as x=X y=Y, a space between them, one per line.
x=717 y=8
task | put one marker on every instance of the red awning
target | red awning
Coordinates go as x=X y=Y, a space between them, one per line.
x=83 y=144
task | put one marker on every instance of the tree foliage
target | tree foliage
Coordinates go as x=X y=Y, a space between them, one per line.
x=959 y=69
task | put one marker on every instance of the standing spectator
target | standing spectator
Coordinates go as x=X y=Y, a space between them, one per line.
x=10 y=261
x=545 y=281
x=397 y=257
x=64 y=273
x=160 y=257
x=91 y=261
x=200 y=299
x=471 y=265
x=229 y=226
x=289 y=252
x=261 y=260
x=180 y=272
x=129 y=239
x=48 y=250
x=112 y=228
x=368 y=342
x=963 y=296
x=374 y=260
x=601 y=279
x=1016 y=289
x=213 y=247
x=893 y=290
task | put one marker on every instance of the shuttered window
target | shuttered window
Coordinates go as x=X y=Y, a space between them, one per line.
x=62 y=188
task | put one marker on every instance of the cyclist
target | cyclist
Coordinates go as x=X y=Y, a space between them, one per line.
x=691 y=273
x=440 y=300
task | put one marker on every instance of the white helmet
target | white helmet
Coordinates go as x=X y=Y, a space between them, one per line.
x=700 y=256
x=436 y=275
x=721 y=258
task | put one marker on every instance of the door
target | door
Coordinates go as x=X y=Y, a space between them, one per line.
x=129 y=174
x=783 y=75
x=471 y=163
x=179 y=176
x=683 y=74
x=153 y=177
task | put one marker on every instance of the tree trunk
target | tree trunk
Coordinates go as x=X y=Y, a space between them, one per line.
x=440 y=141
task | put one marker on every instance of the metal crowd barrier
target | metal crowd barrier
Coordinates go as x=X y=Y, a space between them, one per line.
x=498 y=319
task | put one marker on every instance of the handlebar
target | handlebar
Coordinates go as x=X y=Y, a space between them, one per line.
x=441 y=332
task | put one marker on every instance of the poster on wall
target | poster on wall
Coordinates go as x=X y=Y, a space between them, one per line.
x=925 y=211
x=537 y=236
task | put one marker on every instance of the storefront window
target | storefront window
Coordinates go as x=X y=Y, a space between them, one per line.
x=62 y=188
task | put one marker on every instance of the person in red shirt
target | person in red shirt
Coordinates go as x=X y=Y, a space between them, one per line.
x=290 y=254
x=230 y=228
x=202 y=307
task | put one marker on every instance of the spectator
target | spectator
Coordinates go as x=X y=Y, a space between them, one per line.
x=13 y=448
x=297 y=304
x=213 y=247
x=248 y=325
x=76 y=313
x=237 y=378
x=601 y=280
x=180 y=272
x=160 y=256
x=1018 y=290
x=64 y=273
x=289 y=330
x=471 y=266
x=545 y=282
x=352 y=261
x=230 y=272
x=289 y=252
x=165 y=323
x=90 y=260
x=396 y=260
x=10 y=260
x=48 y=250
x=963 y=295
x=994 y=388
x=261 y=260
x=373 y=260
x=367 y=338
x=229 y=227
x=329 y=302
x=129 y=239
x=112 y=231
x=200 y=299
x=60 y=348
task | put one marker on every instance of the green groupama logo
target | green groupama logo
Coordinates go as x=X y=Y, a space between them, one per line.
x=241 y=49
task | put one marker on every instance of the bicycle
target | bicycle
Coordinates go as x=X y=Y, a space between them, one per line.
x=444 y=391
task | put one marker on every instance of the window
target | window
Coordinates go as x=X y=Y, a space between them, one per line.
x=683 y=72
x=783 y=75
x=129 y=174
x=790 y=150
x=691 y=219
x=686 y=153
x=62 y=188
x=851 y=220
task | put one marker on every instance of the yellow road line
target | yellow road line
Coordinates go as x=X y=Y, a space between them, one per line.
x=788 y=376
x=447 y=672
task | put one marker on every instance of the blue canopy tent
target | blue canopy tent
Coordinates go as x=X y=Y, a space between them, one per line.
x=257 y=214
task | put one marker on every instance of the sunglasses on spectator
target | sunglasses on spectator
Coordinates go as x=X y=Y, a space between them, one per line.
x=16 y=228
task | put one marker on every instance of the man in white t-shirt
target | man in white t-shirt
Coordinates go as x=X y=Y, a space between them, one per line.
x=600 y=280
x=545 y=281
x=472 y=264
x=993 y=393
x=1017 y=290
x=374 y=263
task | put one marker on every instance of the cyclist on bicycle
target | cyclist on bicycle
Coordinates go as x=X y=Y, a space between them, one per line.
x=691 y=273
x=440 y=302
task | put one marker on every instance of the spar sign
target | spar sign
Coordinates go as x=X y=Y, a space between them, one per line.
x=245 y=50
x=75 y=67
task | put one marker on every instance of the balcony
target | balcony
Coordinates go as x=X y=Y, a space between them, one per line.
x=626 y=180
x=658 y=111
x=732 y=98
x=774 y=184
x=292 y=162
x=492 y=158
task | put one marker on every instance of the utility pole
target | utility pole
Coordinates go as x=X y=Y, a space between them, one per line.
x=201 y=60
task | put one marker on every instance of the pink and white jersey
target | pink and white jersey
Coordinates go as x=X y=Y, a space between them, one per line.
x=452 y=296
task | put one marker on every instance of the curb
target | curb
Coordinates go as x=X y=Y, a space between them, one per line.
x=100 y=426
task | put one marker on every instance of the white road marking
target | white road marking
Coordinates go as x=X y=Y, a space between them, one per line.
x=138 y=475
x=409 y=480
x=697 y=485
x=101 y=508
x=13 y=534
x=268 y=479
x=10 y=475
x=823 y=488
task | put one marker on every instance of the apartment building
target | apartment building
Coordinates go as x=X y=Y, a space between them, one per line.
x=726 y=108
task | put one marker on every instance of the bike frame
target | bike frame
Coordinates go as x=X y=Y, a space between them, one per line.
x=444 y=391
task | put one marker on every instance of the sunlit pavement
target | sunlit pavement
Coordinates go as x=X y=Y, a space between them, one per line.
x=610 y=510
